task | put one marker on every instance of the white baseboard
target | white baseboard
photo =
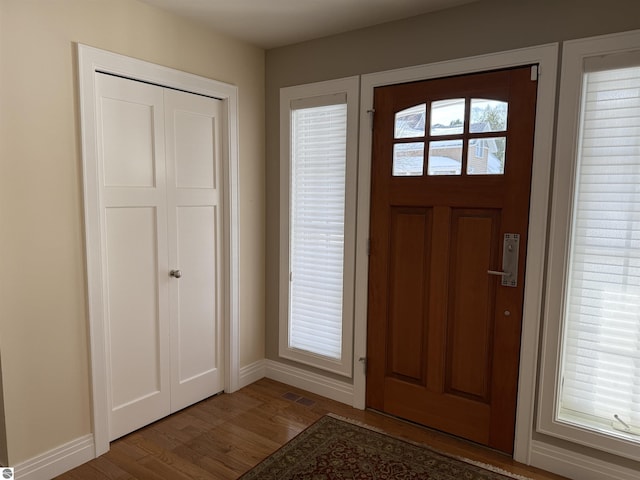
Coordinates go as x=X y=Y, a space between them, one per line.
x=576 y=466
x=312 y=382
x=252 y=373
x=57 y=461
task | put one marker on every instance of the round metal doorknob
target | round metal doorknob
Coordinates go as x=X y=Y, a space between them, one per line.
x=175 y=273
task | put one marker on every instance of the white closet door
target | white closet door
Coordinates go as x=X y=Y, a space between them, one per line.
x=193 y=133
x=135 y=253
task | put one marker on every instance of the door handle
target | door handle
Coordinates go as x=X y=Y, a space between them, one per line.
x=175 y=273
x=510 y=253
x=500 y=274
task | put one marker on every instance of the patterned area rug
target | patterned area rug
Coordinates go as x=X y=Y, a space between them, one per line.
x=334 y=449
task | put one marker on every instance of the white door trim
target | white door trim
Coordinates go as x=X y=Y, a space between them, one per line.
x=546 y=56
x=91 y=60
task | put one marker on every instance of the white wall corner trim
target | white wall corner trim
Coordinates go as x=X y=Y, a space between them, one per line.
x=91 y=60
x=312 y=382
x=252 y=373
x=575 y=465
x=57 y=461
x=546 y=57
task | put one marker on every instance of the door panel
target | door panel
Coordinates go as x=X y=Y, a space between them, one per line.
x=474 y=245
x=130 y=119
x=135 y=326
x=130 y=138
x=196 y=288
x=410 y=233
x=196 y=370
x=195 y=139
x=138 y=327
x=451 y=174
x=193 y=198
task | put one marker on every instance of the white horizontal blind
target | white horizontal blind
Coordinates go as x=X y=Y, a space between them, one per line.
x=317 y=212
x=601 y=354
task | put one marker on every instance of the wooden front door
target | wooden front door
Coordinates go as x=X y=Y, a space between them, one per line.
x=450 y=179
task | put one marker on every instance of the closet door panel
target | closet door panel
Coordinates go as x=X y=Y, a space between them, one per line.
x=128 y=133
x=198 y=302
x=193 y=127
x=195 y=144
x=137 y=325
x=135 y=255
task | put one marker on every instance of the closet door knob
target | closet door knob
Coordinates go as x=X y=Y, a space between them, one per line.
x=175 y=273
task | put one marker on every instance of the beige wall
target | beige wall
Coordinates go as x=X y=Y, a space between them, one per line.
x=43 y=319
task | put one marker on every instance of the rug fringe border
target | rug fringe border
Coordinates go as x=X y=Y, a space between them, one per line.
x=486 y=466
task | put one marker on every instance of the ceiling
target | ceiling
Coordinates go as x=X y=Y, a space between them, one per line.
x=274 y=23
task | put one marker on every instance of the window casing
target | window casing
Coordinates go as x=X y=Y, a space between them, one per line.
x=590 y=382
x=318 y=170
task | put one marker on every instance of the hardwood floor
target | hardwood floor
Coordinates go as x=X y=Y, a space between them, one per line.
x=224 y=436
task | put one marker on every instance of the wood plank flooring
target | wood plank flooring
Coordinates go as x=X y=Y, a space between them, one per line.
x=222 y=437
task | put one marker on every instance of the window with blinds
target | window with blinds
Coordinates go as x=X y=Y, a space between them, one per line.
x=318 y=161
x=318 y=126
x=600 y=368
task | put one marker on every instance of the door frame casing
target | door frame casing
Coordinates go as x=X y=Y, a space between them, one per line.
x=90 y=61
x=546 y=56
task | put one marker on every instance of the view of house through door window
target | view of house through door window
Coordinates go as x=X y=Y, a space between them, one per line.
x=451 y=174
x=449 y=134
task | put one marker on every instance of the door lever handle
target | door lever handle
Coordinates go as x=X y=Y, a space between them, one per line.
x=500 y=274
x=510 y=251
